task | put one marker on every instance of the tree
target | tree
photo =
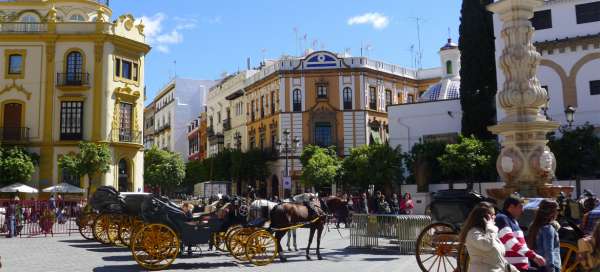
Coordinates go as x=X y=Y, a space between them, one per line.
x=320 y=166
x=424 y=165
x=470 y=159
x=16 y=165
x=92 y=159
x=577 y=152
x=163 y=168
x=376 y=164
x=478 y=69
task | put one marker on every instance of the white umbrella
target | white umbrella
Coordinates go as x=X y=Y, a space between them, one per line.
x=18 y=187
x=64 y=188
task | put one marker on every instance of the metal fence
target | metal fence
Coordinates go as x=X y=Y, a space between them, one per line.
x=27 y=218
x=367 y=229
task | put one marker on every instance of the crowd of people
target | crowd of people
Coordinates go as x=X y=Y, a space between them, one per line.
x=378 y=203
x=495 y=241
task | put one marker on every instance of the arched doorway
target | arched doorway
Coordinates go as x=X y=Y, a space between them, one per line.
x=275 y=186
x=12 y=123
x=124 y=176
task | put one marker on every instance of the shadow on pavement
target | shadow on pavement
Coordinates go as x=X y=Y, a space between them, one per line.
x=124 y=258
x=109 y=249
x=88 y=246
x=352 y=251
x=176 y=266
x=79 y=241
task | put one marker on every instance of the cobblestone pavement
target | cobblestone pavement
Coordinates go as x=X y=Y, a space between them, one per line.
x=73 y=253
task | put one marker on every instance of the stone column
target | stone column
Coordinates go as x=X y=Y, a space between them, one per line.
x=525 y=163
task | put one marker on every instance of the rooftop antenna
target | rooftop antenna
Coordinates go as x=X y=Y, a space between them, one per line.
x=302 y=43
x=449 y=35
x=413 y=59
x=175 y=68
x=369 y=47
x=420 y=51
x=263 y=51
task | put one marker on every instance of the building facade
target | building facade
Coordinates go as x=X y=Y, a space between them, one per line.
x=149 y=126
x=326 y=100
x=69 y=74
x=566 y=35
x=175 y=105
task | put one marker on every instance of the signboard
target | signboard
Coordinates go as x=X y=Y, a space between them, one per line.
x=287 y=183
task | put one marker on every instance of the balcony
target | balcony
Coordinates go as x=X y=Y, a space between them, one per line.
x=210 y=131
x=125 y=135
x=72 y=79
x=227 y=124
x=163 y=128
x=22 y=27
x=101 y=2
x=14 y=134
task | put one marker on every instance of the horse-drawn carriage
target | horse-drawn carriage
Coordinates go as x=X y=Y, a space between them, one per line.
x=439 y=249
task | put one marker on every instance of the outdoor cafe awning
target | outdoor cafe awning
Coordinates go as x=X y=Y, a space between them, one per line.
x=64 y=188
x=18 y=187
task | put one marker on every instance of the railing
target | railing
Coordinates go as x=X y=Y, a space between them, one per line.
x=14 y=134
x=35 y=217
x=22 y=27
x=163 y=127
x=72 y=79
x=126 y=135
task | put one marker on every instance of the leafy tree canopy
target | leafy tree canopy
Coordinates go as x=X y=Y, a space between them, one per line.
x=320 y=166
x=163 y=168
x=577 y=152
x=470 y=159
x=16 y=165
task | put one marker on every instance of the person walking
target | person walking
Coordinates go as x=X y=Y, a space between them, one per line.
x=406 y=204
x=395 y=204
x=363 y=204
x=511 y=235
x=383 y=207
x=543 y=235
x=588 y=253
x=480 y=236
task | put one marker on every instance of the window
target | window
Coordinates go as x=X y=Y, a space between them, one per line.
x=125 y=133
x=262 y=107
x=70 y=178
x=347 y=93
x=388 y=97
x=74 y=68
x=587 y=13
x=323 y=134
x=15 y=64
x=118 y=67
x=218 y=117
x=272 y=102
x=126 y=66
x=410 y=98
x=77 y=18
x=135 y=74
x=29 y=18
x=448 y=67
x=595 y=87
x=372 y=98
x=297 y=100
x=128 y=70
x=321 y=91
x=542 y=19
x=400 y=100
x=71 y=120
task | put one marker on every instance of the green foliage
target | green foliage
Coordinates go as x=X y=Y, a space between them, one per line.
x=478 y=69
x=16 y=165
x=163 y=168
x=470 y=159
x=320 y=166
x=423 y=163
x=577 y=152
x=91 y=160
x=374 y=164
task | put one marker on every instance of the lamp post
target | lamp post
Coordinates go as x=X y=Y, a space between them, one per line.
x=570 y=114
x=287 y=147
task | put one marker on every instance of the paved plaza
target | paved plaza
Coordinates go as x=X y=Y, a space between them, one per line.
x=73 y=253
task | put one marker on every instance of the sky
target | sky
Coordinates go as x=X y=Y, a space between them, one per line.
x=203 y=39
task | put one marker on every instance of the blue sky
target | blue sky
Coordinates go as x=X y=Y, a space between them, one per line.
x=208 y=38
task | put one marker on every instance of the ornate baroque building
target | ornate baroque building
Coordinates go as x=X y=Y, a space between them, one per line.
x=69 y=74
x=324 y=99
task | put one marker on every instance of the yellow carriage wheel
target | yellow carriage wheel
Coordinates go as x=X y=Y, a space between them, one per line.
x=113 y=229
x=155 y=246
x=100 y=229
x=85 y=222
x=230 y=232
x=218 y=240
x=125 y=229
x=437 y=248
x=238 y=242
x=568 y=254
x=261 y=248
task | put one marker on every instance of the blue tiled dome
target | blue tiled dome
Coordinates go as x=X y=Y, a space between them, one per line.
x=445 y=89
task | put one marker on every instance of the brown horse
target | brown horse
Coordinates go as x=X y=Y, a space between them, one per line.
x=291 y=215
x=338 y=209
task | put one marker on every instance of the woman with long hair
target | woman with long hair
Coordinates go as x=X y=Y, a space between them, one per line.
x=480 y=235
x=543 y=235
x=589 y=251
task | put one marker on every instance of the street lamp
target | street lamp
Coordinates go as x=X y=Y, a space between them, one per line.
x=570 y=114
x=287 y=147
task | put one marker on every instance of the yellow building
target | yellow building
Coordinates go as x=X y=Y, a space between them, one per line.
x=324 y=99
x=68 y=74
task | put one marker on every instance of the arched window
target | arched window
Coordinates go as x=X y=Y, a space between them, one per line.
x=347 y=98
x=448 y=67
x=297 y=100
x=74 y=67
x=29 y=18
x=31 y=23
x=77 y=18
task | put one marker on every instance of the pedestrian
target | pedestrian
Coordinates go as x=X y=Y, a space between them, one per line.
x=480 y=236
x=395 y=204
x=512 y=236
x=406 y=204
x=383 y=207
x=363 y=204
x=591 y=215
x=588 y=253
x=187 y=209
x=542 y=236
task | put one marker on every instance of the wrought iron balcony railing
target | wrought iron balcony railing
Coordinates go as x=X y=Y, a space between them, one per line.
x=163 y=127
x=72 y=79
x=126 y=135
x=14 y=134
x=22 y=27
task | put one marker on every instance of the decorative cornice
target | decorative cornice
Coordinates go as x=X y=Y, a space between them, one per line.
x=19 y=88
x=549 y=46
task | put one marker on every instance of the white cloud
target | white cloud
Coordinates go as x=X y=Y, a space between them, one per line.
x=214 y=20
x=163 y=48
x=160 y=39
x=185 y=23
x=152 y=25
x=377 y=20
x=172 y=37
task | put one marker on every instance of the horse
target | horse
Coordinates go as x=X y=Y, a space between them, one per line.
x=288 y=215
x=338 y=208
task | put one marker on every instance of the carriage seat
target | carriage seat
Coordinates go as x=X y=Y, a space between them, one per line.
x=257 y=222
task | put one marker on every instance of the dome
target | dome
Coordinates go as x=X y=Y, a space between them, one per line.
x=446 y=89
x=449 y=45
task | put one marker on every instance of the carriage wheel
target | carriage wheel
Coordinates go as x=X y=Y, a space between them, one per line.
x=155 y=246
x=125 y=229
x=229 y=234
x=85 y=222
x=437 y=248
x=238 y=243
x=114 y=222
x=261 y=248
x=568 y=254
x=100 y=229
x=218 y=240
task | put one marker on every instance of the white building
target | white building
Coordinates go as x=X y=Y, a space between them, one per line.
x=567 y=36
x=180 y=101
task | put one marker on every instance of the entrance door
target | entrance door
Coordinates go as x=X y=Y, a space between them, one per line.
x=12 y=121
x=124 y=184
